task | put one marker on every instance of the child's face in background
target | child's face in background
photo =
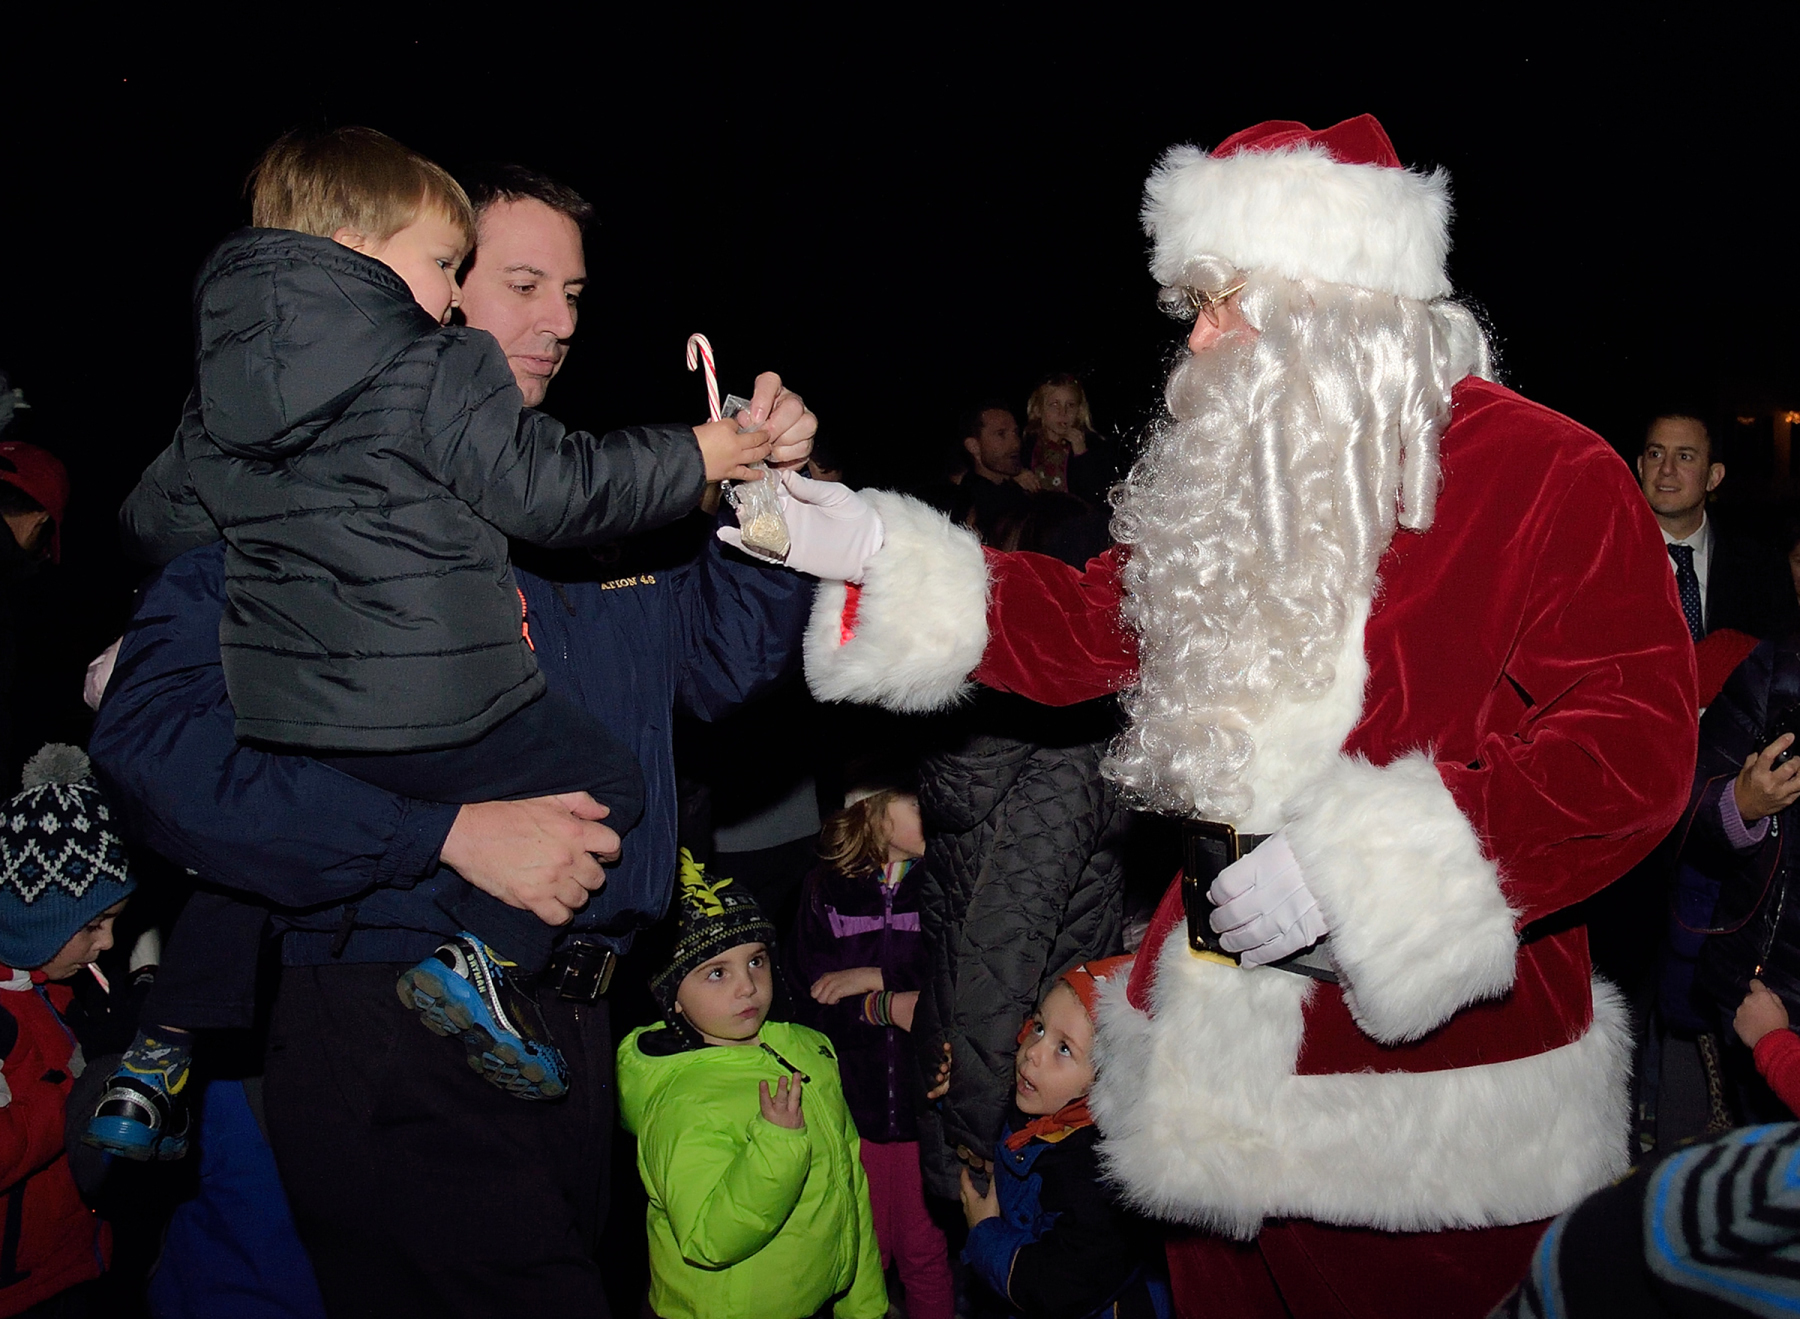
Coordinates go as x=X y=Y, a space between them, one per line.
x=905 y=828
x=1054 y=1064
x=425 y=254
x=727 y=999
x=84 y=946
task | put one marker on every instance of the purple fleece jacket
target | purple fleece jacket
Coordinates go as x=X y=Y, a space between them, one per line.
x=845 y=923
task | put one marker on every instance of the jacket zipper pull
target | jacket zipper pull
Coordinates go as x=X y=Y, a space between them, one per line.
x=785 y=1063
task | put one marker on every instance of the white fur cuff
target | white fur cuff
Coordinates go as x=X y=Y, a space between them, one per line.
x=921 y=622
x=1419 y=926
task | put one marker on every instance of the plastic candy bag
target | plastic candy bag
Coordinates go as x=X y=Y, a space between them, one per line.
x=764 y=529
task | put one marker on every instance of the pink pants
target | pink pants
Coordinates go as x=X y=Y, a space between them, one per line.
x=904 y=1229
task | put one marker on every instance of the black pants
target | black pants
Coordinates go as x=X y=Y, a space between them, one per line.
x=417 y=1188
x=208 y=974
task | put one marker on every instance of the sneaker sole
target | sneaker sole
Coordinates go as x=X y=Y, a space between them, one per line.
x=131 y=1140
x=499 y=1063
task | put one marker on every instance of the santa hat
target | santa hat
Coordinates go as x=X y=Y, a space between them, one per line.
x=1333 y=205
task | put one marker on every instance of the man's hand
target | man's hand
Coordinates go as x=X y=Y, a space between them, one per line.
x=1028 y=480
x=782 y=415
x=99 y=673
x=729 y=450
x=1760 y=1012
x=541 y=855
x=976 y=1206
x=783 y=1107
x=833 y=985
x=1762 y=789
x=1265 y=912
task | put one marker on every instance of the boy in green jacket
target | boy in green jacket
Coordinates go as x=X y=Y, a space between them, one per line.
x=756 y=1207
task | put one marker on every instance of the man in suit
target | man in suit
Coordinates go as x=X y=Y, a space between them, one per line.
x=1723 y=582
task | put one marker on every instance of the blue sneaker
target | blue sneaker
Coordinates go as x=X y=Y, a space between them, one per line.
x=143 y=1114
x=462 y=989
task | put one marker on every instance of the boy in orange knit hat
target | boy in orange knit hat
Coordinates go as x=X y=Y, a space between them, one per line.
x=1048 y=1235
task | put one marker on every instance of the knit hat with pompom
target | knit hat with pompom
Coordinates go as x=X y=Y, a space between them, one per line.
x=61 y=861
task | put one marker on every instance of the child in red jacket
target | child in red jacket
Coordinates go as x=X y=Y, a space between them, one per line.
x=63 y=878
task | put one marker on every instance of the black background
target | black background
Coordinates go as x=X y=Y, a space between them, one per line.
x=900 y=209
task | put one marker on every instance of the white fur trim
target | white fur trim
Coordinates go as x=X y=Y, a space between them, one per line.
x=1206 y=1123
x=921 y=626
x=1303 y=215
x=1419 y=926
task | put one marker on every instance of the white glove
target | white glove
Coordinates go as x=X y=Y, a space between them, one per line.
x=1263 y=909
x=99 y=673
x=832 y=530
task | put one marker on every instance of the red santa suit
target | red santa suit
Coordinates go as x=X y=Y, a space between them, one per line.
x=1511 y=726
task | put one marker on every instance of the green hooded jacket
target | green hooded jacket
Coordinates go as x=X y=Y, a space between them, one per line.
x=748 y=1218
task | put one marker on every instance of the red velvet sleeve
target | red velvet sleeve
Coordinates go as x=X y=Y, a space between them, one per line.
x=1054 y=634
x=1778 y=1059
x=1601 y=763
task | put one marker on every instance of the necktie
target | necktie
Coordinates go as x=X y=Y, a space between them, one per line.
x=1687 y=582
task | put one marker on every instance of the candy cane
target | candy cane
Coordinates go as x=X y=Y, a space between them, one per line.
x=699 y=353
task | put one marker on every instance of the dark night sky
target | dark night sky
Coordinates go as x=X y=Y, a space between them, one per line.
x=907 y=208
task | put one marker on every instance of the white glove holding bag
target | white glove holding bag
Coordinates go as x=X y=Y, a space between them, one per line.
x=833 y=530
x=1263 y=909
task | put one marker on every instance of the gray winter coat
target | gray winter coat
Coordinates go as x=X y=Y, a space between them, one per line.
x=365 y=468
x=1024 y=878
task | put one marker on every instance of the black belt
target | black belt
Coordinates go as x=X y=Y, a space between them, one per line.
x=581 y=971
x=1207 y=847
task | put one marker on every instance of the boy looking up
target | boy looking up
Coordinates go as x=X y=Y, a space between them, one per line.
x=1048 y=1235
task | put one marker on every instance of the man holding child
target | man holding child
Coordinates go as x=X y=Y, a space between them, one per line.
x=413 y=1184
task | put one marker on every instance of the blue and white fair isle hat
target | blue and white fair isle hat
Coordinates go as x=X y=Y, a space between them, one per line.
x=61 y=861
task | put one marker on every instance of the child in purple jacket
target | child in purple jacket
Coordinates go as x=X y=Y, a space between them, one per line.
x=858 y=949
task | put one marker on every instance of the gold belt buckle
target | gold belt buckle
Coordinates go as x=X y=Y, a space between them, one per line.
x=1207 y=847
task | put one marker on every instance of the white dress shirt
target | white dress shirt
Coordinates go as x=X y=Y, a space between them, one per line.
x=1702 y=543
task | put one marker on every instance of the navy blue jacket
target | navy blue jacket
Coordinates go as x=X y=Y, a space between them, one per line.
x=296 y=834
x=1063 y=1247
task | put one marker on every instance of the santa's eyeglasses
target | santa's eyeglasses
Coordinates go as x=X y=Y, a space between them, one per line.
x=1208 y=304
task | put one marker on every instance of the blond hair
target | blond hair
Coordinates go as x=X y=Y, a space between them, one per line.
x=351 y=178
x=1034 y=406
x=855 y=840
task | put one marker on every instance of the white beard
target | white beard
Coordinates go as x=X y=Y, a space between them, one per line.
x=1256 y=519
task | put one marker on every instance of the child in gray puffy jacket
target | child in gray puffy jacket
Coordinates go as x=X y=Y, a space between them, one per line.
x=365 y=462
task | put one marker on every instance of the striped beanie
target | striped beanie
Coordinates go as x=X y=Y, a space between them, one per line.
x=1711 y=1229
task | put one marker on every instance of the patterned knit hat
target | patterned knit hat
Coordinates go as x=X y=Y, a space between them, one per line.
x=710 y=920
x=61 y=864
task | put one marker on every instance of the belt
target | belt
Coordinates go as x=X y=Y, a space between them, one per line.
x=581 y=971
x=1207 y=847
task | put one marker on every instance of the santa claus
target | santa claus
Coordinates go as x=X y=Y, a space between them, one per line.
x=1415 y=640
